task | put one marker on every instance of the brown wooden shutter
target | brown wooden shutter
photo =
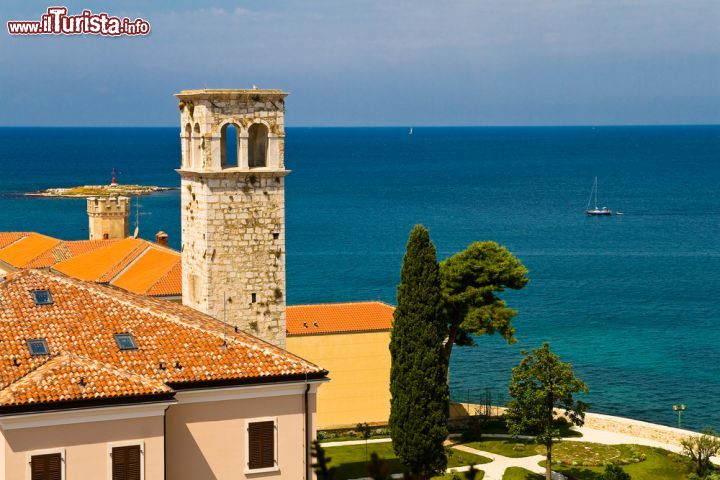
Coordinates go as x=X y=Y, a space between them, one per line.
x=46 y=467
x=261 y=445
x=126 y=463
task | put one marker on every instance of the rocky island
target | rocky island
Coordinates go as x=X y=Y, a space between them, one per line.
x=100 y=191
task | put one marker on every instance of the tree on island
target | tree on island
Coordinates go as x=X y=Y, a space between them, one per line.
x=419 y=405
x=470 y=282
x=540 y=384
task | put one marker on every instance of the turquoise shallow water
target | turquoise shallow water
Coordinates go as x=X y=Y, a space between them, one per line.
x=631 y=301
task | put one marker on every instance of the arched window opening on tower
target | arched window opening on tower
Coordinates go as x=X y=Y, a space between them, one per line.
x=257 y=145
x=197 y=145
x=229 y=146
x=187 y=142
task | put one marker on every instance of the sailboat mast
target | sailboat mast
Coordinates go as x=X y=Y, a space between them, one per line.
x=596 y=189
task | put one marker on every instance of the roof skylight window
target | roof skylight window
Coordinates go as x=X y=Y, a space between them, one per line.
x=125 y=341
x=38 y=346
x=42 y=297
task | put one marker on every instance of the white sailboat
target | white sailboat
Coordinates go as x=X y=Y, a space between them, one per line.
x=410 y=131
x=596 y=211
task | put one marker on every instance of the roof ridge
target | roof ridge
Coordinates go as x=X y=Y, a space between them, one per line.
x=330 y=304
x=33 y=259
x=124 y=260
x=129 y=264
x=50 y=358
x=22 y=235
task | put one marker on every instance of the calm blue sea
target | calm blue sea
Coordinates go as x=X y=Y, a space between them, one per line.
x=632 y=301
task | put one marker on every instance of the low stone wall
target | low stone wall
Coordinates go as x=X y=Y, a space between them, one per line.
x=637 y=428
x=596 y=421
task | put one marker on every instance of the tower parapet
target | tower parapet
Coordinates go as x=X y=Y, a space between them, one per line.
x=233 y=207
x=108 y=217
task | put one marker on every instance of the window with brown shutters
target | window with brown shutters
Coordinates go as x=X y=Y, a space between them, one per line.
x=126 y=463
x=46 y=467
x=261 y=445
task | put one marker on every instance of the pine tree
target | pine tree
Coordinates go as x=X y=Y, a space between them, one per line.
x=542 y=386
x=418 y=375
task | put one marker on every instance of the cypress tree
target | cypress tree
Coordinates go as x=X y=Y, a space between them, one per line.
x=419 y=405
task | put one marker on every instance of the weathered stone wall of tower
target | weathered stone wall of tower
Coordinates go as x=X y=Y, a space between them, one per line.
x=108 y=217
x=233 y=216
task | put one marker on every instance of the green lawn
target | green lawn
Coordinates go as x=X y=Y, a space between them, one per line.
x=351 y=460
x=508 y=448
x=455 y=476
x=518 y=473
x=497 y=425
x=642 y=463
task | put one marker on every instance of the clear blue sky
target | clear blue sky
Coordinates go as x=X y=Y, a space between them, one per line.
x=378 y=62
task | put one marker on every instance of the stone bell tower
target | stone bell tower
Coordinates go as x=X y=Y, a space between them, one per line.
x=233 y=207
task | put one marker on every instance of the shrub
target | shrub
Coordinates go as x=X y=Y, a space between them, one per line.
x=614 y=472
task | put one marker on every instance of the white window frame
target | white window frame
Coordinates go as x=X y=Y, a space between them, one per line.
x=276 y=468
x=129 y=443
x=35 y=453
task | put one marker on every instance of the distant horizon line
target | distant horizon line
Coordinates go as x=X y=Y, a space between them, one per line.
x=603 y=125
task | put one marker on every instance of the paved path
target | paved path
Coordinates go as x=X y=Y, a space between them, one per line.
x=495 y=469
x=354 y=442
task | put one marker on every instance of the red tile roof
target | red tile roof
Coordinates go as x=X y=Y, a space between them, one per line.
x=104 y=263
x=6 y=238
x=21 y=253
x=133 y=264
x=331 y=318
x=177 y=346
x=169 y=284
x=66 y=250
x=68 y=377
x=149 y=268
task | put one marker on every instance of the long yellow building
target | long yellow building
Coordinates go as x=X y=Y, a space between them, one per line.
x=352 y=341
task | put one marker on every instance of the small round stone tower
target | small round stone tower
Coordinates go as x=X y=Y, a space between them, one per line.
x=108 y=217
x=233 y=207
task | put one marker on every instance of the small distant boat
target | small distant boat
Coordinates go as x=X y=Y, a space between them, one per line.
x=596 y=211
x=410 y=131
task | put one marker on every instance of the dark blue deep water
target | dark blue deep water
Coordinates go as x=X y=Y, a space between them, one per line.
x=633 y=301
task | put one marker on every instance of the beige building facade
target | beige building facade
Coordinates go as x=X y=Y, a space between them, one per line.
x=199 y=434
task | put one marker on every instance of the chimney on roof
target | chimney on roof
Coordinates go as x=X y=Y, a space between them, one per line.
x=161 y=238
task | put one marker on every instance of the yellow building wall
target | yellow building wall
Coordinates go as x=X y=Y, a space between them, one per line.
x=359 y=366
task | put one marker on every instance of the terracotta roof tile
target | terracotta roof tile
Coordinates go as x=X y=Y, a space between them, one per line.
x=135 y=265
x=68 y=377
x=329 y=318
x=6 y=238
x=23 y=251
x=103 y=264
x=176 y=345
x=66 y=250
x=170 y=283
x=151 y=266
